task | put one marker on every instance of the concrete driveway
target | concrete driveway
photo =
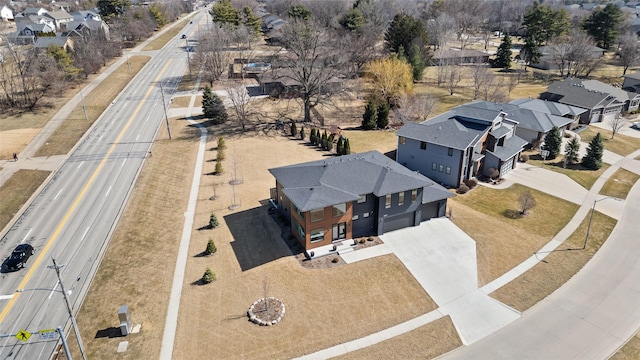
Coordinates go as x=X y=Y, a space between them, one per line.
x=443 y=260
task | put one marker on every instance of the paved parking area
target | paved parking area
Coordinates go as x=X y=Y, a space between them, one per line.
x=442 y=258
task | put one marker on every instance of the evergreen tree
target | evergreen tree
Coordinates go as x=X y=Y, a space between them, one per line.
x=221 y=144
x=352 y=20
x=207 y=96
x=251 y=21
x=312 y=136
x=217 y=112
x=211 y=248
x=603 y=25
x=530 y=52
x=347 y=147
x=299 y=12
x=323 y=142
x=294 y=129
x=552 y=142
x=407 y=33
x=544 y=23
x=219 y=169
x=224 y=12
x=571 y=151
x=503 y=55
x=302 y=134
x=213 y=221
x=340 y=146
x=382 y=115
x=416 y=59
x=208 y=276
x=370 y=116
x=593 y=159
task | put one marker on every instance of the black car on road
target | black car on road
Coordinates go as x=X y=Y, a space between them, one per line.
x=19 y=257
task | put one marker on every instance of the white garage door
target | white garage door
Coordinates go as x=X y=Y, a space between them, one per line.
x=506 y=167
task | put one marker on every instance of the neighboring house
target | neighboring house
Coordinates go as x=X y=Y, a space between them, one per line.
x=24 y=21
x=46 y=41
x=87 y=28
x=281 y=83
x=552 y=108
x=36 y=11
x=547 y=61
x=460 y=144
x=352 y=196
x=631 y=82
x=272 y=26
x=86 y=15
x=450 y=57
x=60 y=19
x=602 y=101
x=6 y=13
x=533 y=125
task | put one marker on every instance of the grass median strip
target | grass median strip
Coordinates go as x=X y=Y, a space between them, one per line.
x=619 y=184
x=620 y=144
x=160 y=41
x=17 y=190
x=545 y=277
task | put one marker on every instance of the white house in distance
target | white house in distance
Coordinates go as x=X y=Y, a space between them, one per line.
x=6 y=14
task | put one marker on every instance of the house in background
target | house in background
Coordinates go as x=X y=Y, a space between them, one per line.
x=460 y=144
x=60 y=19
x=6 y=14
x=44 y=42
x=533 y=125
x=35 y=11
x=352 y=196
x=85 y=15
x=602 y=101
x=547 y=59
x=281 y=82
x=451 y=57
x=552 y=108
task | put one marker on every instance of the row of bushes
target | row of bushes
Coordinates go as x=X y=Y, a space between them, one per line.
x=323 y=140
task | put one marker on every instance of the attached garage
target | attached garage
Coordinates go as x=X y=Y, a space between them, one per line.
x=506 y=167
x=430 y=210
x=398 y=222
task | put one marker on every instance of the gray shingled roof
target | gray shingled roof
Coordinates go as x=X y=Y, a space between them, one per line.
x=451 y=133
x=635 y=75
x=510 y=148
x=549 y=107
x=337 y=180
x=573 y=92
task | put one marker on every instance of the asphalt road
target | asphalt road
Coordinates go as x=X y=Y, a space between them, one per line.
x=72 y=218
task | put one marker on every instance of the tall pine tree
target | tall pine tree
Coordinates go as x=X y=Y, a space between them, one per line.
x=552 y=142
x=503 y=55
x=370 y=116
x=593 y=159
x=571 y=151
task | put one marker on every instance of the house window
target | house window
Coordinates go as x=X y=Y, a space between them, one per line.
x=403 y=140
x=316 y=235
x=441 y=168
x=339 y=231
x=365 y=215
x=448 y=170
x=363 y=199
x=434 y=166
x=355 y=217
x=423 y=145
x=414 y=195
x=297 y=211
x=317 y=215
x=400 y=198
x=339 y=210
x=387 y=201
x=297 y=228
x=450 y=152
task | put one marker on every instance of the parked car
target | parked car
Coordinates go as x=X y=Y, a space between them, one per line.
x=19 y=256
x=184 y=36
x=636 y=125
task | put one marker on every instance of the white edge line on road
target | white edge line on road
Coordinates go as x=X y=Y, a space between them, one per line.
x=108 y=191
x=53 y=289
x=58 y=194
x=26 y=236
x=85 y=234
x=80 y=165
x=124 y=162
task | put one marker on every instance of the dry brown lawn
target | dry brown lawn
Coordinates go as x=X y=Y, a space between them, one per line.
x=619 y=184
x=483 y=210
x=160 y=41
x=180 y=101
x=630 y=351
x=426 y=342
x=557 y=268
x=330 y=305
x=17 y=190
x=73 y=128
x=620 y=144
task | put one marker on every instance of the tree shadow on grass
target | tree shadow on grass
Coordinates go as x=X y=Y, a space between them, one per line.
x=256 y=237
x=512 y=214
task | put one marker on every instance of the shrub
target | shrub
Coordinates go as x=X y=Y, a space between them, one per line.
x=211 y=247
x=219 y=168
x=370 y=238
x=221 y=144
x=220 y=156
x=294 y=129
x=302 y=134
x=209 y=276
x=471 y=183
x=361 y=241
x=213 y=221
x=524 y=158
x=463 y=189
x=493 y=173
x=335 y=260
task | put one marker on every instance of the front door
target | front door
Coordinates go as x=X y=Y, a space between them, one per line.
x=339 y=231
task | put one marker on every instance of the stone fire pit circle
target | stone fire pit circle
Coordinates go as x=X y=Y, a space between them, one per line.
x=258 y=313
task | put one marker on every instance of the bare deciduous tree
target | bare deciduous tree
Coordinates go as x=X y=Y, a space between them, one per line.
x=414 y=108
x=211 y=56
x=527 y=202
x=629 y=50
x=617 y=122
x=453 y=76
x=240 y=101
x=441 y=30
x=480 y=75
x=313 y=59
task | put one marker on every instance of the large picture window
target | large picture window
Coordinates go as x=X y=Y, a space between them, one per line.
x=317 y=215
x=339 y=210
x=316 y=235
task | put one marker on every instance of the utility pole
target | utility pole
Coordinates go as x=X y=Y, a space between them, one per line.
x=164 y=105
x=66 y=301
x=84 y=106
x=64 y=343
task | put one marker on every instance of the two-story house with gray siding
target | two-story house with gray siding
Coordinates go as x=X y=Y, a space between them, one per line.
x=353 y=196
x=460 y=144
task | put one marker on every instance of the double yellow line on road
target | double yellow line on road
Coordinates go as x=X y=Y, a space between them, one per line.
x=77 y=201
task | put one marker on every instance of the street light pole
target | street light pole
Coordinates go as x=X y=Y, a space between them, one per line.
x=593 y=209
x=84 y=106
x=66 y=301
x=164 y=106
